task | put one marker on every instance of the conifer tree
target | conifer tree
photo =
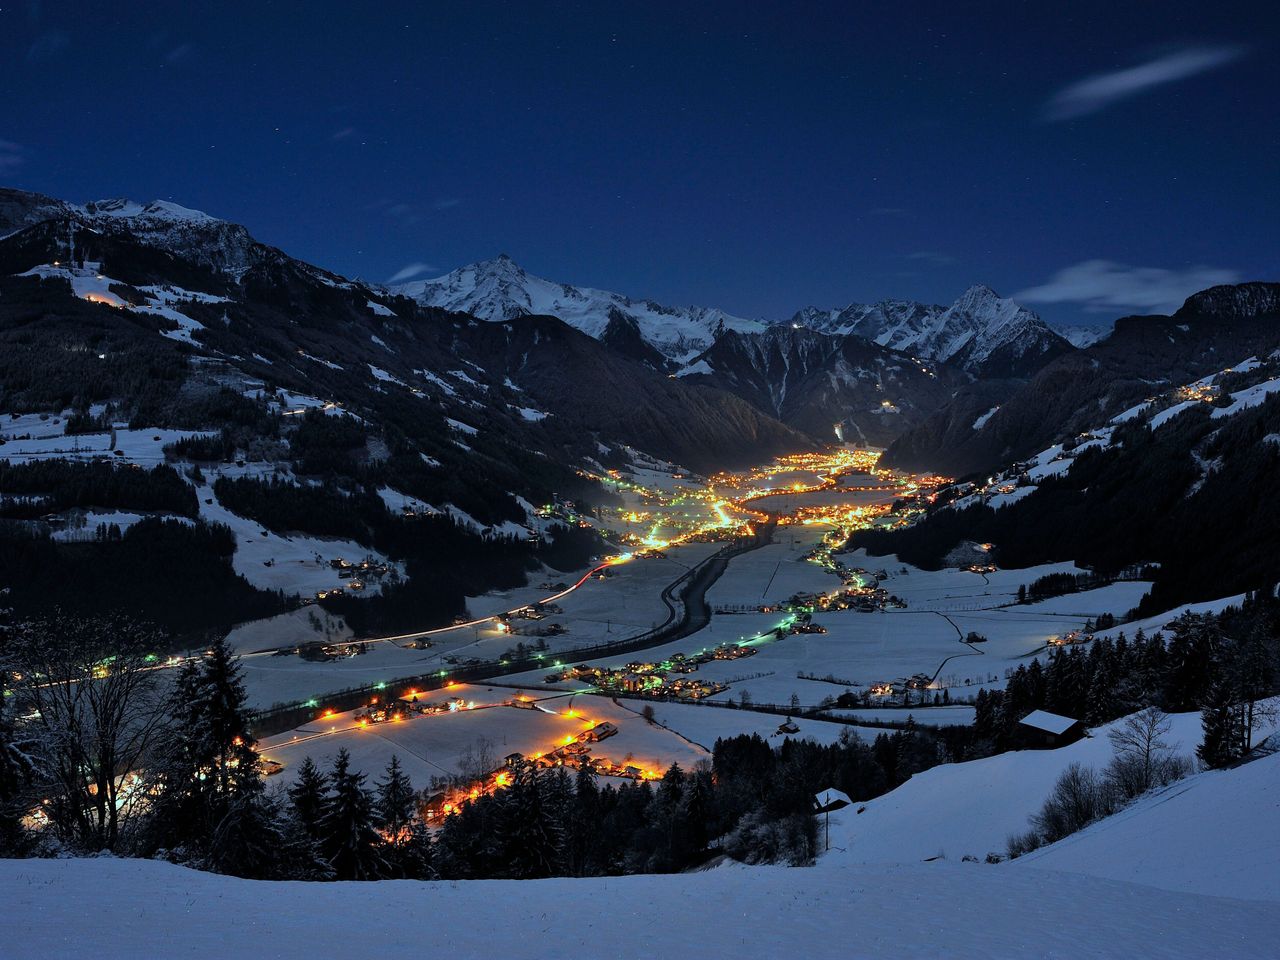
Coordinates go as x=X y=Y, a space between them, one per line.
x=529 y=834
x=581 y=850
x=394 y=815
x=226 y=723
x=348 y=837
x=248 y=840
x=308 y=796
x=1220 y=745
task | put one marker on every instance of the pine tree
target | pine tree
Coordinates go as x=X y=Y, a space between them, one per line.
x=417 y=854
x=308 y=796
x=394 y=816
x=348 y=838
x=248 y=840
x=698 y=801
x=226 y=723
x=528 y=832
x=581 y=850
x=1220 y=745
x=301 y=857
x=210 y=762
x=394 y=806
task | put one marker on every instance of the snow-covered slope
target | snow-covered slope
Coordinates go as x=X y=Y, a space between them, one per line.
x=970 y=809
x=500 y=289
x=1216 y=832
x=111 y=909
x=981 y=332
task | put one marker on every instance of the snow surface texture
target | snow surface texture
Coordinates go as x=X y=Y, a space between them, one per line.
x=988 y=800
x=965 y=912
x=1215 y=832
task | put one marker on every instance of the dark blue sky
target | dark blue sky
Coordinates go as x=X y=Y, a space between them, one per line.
x=1100 y=158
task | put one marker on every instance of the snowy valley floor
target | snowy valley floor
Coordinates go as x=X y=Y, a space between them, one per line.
x=125 y=909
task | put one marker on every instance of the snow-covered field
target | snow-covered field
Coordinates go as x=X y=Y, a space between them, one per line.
x=144 y=447
x=705 y=725
x=431 y=746
x=922 y=716
x=916 y=912
x=293 y=567
x=626 y=603
x=775 y=572
x=866 y=648
x=428 y=746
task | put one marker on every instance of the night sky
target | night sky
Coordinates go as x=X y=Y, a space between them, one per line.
x=1095 y=159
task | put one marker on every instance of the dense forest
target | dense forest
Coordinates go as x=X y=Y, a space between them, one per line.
x=176 y=575
x=39 y=487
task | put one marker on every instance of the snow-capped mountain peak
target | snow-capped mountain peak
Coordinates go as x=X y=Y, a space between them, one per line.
x=981 y=332
x=157 y=210
x=500 y=289
x=1081 y=336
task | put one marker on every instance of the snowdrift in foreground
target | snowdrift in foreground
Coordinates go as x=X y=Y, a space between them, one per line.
x=132 y=908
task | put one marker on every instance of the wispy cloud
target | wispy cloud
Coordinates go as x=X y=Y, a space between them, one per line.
x=1103 y=89
x=12 y=156
x=1106 y=286
x=409 y=271
x=178 y=53
x=932 y=257
x=447 y=203
x=47 y=45
x=888 y=211
x=343 y=133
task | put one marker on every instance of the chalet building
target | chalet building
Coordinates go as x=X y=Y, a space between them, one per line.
x=1042 y=730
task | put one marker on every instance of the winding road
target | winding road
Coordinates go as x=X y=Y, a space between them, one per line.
x=688 y=612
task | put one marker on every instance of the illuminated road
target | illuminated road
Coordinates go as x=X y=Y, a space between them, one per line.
x=434 y=631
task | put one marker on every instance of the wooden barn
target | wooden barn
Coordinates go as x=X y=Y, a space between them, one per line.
x=1042 y=730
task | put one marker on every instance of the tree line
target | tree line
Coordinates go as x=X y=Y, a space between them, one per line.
x=40 y=487
x=1222 y=664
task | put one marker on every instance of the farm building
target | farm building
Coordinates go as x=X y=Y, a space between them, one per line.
x=1042 y=730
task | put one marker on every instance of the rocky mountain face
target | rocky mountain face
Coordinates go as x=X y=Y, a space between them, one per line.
x=159 y=284
x=500 y=289
x=832 y=386
x=867 y=372
x=982 y=332
x=195 y=236
x=978 y=431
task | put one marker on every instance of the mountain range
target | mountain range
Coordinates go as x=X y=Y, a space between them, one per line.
x=981 y=333
x=961 y=388
x=978 y=430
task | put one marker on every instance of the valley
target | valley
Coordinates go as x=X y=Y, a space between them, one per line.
x=663 y=480
x=540 y=572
